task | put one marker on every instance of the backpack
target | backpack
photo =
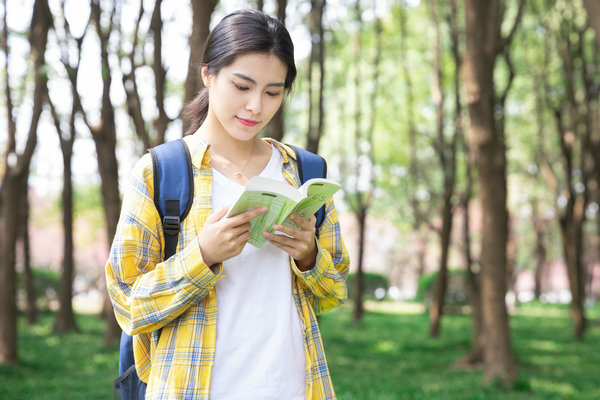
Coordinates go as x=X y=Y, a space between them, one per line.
x=173 y=197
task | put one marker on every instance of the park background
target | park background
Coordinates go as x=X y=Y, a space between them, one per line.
x=466 y=137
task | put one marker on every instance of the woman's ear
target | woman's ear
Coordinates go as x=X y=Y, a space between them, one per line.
x=206 y=77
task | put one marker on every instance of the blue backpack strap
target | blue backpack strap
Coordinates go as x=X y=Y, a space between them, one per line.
x=311 y=165
x=173 y=188
x=173 y=197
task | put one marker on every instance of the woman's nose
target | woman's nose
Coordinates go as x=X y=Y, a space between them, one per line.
x=254 y=103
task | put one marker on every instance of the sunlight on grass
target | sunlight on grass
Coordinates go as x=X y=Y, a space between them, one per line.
x=52 y=341
x=544 y=345
x=386 y=346
x=394 y=307
x=542 y=310
x=553 y=387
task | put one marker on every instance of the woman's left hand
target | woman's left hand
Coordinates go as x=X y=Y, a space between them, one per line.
x=300 y=244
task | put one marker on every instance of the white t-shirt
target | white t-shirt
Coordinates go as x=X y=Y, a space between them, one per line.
x=259 y=347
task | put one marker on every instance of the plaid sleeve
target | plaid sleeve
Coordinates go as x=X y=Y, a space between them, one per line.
x=326 y=281
x=146 y=293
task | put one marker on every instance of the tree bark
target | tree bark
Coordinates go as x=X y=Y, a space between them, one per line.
x=483 y=44
x=16 y=174
x=359 y=210
x=201 y=14
x=571 y=229
x=359 y=286
x=23 y=234
x=475 y=357
x=315 y=26
x=593 y=10
x=540 y=252
x=364 y=168
x=447 y=156
x=574 y=136
x=276 y=127
x=162 y=121
x=65 y=318
x=105 y=139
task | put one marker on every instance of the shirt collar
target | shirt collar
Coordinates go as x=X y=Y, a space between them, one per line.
x=200 y=150
x=286 y=151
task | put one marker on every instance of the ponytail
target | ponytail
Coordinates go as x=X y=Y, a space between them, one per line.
x=194 y=113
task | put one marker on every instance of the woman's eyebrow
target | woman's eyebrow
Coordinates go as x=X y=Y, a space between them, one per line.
x=247 y=78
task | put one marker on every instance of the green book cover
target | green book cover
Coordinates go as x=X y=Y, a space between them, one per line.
x=282 y=200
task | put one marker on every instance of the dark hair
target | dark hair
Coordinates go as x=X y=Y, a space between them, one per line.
x=241 y=32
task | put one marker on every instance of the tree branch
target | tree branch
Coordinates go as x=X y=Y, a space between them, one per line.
x=132 y=98
x=505 y=41
x=160 y=73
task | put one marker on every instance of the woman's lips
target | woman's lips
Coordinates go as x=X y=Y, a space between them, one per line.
x=247 y=122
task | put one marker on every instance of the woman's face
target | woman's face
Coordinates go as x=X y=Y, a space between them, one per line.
x=244 y=96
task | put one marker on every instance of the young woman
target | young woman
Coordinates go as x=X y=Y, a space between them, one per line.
x=222 y=319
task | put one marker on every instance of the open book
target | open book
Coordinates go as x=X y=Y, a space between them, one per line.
x=282 y=200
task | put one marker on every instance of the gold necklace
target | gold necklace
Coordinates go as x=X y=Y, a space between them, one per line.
x=237 y=174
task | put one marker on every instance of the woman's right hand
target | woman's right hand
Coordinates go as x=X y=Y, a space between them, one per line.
x=223 y=238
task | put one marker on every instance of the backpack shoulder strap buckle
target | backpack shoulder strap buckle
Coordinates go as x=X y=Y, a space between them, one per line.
x=171 y=224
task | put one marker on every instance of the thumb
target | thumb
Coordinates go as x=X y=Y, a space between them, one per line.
x=217 y=215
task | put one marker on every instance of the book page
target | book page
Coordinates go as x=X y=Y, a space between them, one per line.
x=318 y=191
x=279 y=208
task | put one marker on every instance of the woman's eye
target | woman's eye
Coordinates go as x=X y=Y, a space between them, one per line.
x=273 y=94
x=240 y=87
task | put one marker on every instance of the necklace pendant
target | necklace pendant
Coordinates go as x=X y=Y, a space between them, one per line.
x=238 y=175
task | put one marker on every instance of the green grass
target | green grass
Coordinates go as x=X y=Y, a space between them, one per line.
x=389 y=356
x=61 y=366
x=386 y=356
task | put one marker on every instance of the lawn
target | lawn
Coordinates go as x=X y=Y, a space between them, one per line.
x=386 y=356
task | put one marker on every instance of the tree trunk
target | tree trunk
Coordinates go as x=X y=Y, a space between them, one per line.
x=65 y=319
x=540 y=249
x=436 y=308
x=593 y=10
x=201 y=14
x=475 y=357
x=483 y=21
x=28 y=280
x=571 y=229
x=276 y=128
x=16 y=175
x=315 y=26
x=359 y=285
x=105 y=139
x=8 y=294
x=446 y=153
x=575 y=140
x=419 y=222
x=162 y=121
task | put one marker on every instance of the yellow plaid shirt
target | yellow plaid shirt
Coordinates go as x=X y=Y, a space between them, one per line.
x=178 y=295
